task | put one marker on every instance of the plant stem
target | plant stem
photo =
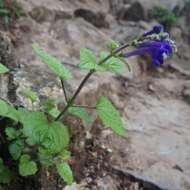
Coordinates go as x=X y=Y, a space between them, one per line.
x=70 y=102
x=64 y=90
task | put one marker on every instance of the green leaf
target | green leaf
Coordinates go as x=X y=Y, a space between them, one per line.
x=46 y=157
x=49 y=104
x=113 y=64
x=13 y=114
x=9 y=111
x=54 y=112
x=122 y=59
x=64 y=155
x=112 y=45
x=15 y=149
x=4 y=108
x=28 y=93
x=27 y=166
x=81 y=113
x=65 y=172
x=110 y=116
x=87 y=59
x=5 y=173
x=56 y=137
x=12 y=133
x=34 y=126
x=3 y=69
x=53 y=136
x=54 y=64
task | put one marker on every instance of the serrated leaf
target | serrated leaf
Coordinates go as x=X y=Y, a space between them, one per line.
x=80 y=113
x=29 y=93
x=110 y=116
x=65 y=172
x=112 y=45
x=53 y=136
x=11 y=133
x=34 y=126
x=5 y=173
x=27 y=166
x=9 y=111
x=56 y=137
x=113 y=64
x=15 y=149
x=87 y=59
x=3 y=69
x=53 y=63
x=3 y=108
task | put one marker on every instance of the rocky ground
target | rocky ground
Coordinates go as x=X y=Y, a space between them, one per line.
x=154 y=104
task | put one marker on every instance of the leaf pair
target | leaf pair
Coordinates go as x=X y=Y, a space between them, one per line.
x=88 y=61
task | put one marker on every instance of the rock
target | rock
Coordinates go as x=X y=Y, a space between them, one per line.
x=134 y=12
x=169 y=178
x=6 y=51
x=186 y=95
x=40 y=14
x=115 y=6
x=7 y=58
x=170 y=4
x=176 y=32
x=157 y=119
x=182 y=67
x=97 y=19
x=158 y=136
x=140 y=9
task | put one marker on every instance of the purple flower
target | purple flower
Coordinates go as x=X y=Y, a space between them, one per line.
x=155 y=30
x=158 y=50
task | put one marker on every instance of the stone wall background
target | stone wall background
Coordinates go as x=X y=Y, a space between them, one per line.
x=154 y=104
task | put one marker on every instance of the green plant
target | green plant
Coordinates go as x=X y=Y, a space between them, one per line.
x=40 y=137
x=164 y=16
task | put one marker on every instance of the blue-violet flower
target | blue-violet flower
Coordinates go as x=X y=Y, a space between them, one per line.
x=157 y=49
x=155 y=30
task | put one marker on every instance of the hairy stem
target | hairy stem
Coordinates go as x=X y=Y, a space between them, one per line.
x=71 y=101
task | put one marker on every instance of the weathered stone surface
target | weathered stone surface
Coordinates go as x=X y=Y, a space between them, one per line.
x=158 y=144
x=140 y=9
x=7 y=58
x=97 y=19
x=134 y=12
x=152 y=107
